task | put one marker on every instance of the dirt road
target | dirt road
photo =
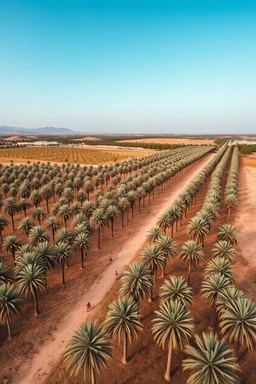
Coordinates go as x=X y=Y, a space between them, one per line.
x=36 y=371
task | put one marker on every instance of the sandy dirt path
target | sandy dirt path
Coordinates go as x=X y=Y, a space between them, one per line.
x=40 y=366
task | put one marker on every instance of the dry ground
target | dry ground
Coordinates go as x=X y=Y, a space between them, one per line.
x=162 y=140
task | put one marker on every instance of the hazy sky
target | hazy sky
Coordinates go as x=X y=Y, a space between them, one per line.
x=129 y=66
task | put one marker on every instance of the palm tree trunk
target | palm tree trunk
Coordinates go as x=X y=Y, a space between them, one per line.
x=132 y=209
x=139 y=205
x=172 y=230
x=167 y=375
x=1 y=235
x=93 y=376
x=228 y=214
x=63 y=273
x=65 y=222
x=47 y=205
x=35 y=301
x=99 y=238
x=124 y=358
x=25 y=212
x=82 y=257
x=9 y=329
x=53 y=234
x=88 y=193
x=189 y=270
x=12 y=222
x=112 y=227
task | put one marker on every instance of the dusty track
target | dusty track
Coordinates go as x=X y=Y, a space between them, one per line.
x=37 y=369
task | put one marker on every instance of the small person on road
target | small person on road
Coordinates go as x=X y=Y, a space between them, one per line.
x=116 y=274
x=110 y=259
x=88 y=306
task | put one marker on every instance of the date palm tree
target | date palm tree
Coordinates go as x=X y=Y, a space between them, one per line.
x=6 y=274
x=23 y=206
x=52 y=224
x=154 y=234
x=212 y=362
x=81 y=243
x=172 y=326
x=88 y=208
x=36 y=198
x=65 y=213
x=238 y=323
x=227 y=233
x=136 y=282
x=229 y=295
x=123 y=321
x=191 y=253
x=11 y=207
x=176 y=288
x=29 y=280
x=153 y=258
x=88 y=351
x=39 y=214
x=99 y=221
x=47 y=253
x=64 y=235
x=89 y=188
x=63 y=252
x=3 y=224
x=168 y=248
x=47 y=194
x=10 y=305
x=123 y=204
x=37 y=235
x=164 y=222
x=11 y=244
x=112 y=214
x=220 y=265
x=198 y=227
x=26 y=225
x=224 y=249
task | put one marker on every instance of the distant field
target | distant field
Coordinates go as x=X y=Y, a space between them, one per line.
x=162 y=140
x=66 y=154
x=88 y=138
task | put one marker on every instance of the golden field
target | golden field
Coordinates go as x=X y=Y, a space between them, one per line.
x=162 y=140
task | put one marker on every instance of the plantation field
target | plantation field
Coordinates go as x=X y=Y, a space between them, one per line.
x=67 y=154
x=162 y=140
x=249 y=161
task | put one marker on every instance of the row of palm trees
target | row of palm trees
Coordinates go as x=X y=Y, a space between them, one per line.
x=34 y=259
x=211 y=361
x=232 y=183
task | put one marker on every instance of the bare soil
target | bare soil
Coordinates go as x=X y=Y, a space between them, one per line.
x=161 y=140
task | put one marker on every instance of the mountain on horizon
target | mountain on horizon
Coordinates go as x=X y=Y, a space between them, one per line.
x=7 y=130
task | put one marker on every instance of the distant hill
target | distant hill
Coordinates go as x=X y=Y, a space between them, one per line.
x=20 y=131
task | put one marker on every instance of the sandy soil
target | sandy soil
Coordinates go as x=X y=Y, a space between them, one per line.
x=147 y=362
x=36 y=370
x=162 y=140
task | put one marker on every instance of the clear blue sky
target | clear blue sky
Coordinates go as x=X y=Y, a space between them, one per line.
x=129 y=66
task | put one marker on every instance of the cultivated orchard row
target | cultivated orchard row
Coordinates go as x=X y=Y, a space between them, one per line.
x=68 y=209
x=211 y=357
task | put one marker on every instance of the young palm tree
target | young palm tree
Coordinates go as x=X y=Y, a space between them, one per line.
x=230 y=202
x=88 y=208
x=154 y=234
x=11 y=207
x=39 y=214
x=174 y=326
x=89 y=188
x=47 y=253
x=10 y=305
x=176 y=288
x=52 y=224
x=227 y=233
x=99 y=221
x=65 y=213
x=136 y=283
x=212 y=362
x=153 y=258
x=63 y=254
x=123 y=321
x=88 y=351
x=168 y=247
x=29 y=280
x=238 y=323
x=11 y=244
x=65 y=235
x=112 y=214
x=3 y=224
x=123 y=205
x=164 y=222
x=37 y=235
x=220 y=265
x=229 y=295
x=26 y=225
x=36 y=198
x=81 y=243
x=47 y=194
x=191 y=253
x=224 y=249
x=198 y=227
x=6 y=274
